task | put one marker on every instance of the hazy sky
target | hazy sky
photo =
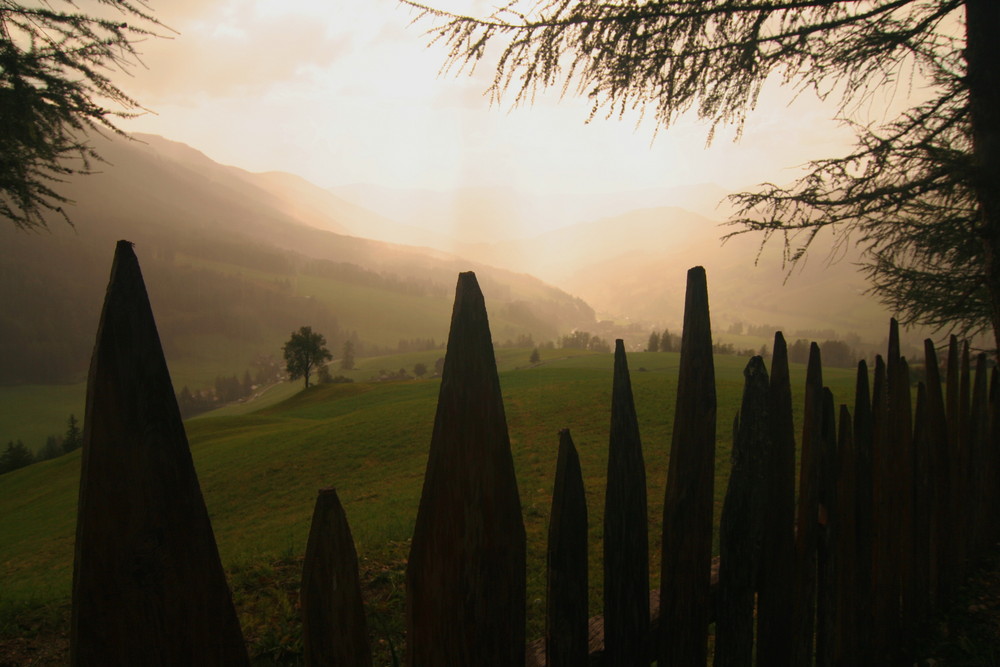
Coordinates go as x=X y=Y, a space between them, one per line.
x=347 y=91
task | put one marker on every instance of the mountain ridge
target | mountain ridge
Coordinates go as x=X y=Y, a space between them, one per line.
x=231 y=271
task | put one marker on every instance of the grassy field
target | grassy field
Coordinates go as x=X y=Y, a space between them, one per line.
x=31 y=413
x=260 y=471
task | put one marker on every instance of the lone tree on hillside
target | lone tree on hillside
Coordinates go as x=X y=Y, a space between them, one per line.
x=919 y=194
x=304 y=351
x=55 y=86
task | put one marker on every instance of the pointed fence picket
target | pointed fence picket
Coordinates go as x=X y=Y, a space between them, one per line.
x=567 y=616
x=686 y=556
x=844 y=527
x=148 y=585
x=626 y=539
x=806 y=534
x=334 y=628
x=827 y=519
x=863 y=427
x=465 y=579
x=893 y=508
x=776 y=590
x=741 y=527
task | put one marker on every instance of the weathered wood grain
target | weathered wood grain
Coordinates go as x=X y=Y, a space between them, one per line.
x=826 y=566
x=688 y=504
x=148 y=585
x=334 y=628
x=807 y=523
x=742 y=524
x=863 y=515
x=776 y=594
x=626 y=530
x=566 y=563
x=465 y=579
x=844 y=643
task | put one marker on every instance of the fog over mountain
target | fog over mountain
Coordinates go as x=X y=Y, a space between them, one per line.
x=633 y=266
x=240 y=259
x=626 y=254
x=234 y=261
x=477 y=215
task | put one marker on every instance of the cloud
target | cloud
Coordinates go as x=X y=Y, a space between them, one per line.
x=348 y=91
x=223 y=51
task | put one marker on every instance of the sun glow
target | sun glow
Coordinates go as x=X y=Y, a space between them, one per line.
x=350 y=92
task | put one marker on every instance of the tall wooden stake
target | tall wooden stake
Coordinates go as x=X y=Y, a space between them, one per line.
x=334 y=629
x=741 y=527
x=923 y=498
x=828 y=518
x=936 y=435
x=863 y=515
x=465 y=579
x=807 y=534
x=885 y=570
x=776 y=595
x=148 y=585
x=626 y=531
x=567 y=611
x=685 y=578
x=845 y=528
x=981 y=459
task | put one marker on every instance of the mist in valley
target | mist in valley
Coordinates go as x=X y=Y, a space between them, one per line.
x=345 y=184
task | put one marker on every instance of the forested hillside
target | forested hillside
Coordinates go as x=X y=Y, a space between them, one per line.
x=230 y=273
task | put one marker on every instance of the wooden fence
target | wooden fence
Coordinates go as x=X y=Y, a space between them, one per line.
x=892 y=507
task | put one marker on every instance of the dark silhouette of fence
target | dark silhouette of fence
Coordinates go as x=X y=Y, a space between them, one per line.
x=892 y=507
x=148 y=585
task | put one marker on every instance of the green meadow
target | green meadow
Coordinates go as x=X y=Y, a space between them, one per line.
x=260 y=465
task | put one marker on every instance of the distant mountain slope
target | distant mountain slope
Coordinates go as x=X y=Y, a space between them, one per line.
x=633 y=265
x=233 y=262
x=476 y=215
x=626 y=253
x=559 y=254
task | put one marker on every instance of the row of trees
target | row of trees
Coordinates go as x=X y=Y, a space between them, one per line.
x=730 y=349
x=835 y=353
x=660 y=342
x=17 y=455
x=583 y=340
x=306 y=352
x=225 y=390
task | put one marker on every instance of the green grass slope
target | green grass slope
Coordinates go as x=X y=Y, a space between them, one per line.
x=260 y=472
